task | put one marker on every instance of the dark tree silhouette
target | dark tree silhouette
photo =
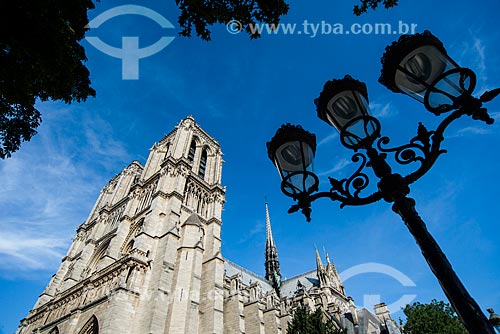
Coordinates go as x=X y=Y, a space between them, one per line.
x=373 y=4
x=202 y=14
x=40 y=58
x=305 y=322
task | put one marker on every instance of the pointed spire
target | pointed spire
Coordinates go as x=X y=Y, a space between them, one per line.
x=330 y=266
x=333 y=275
x=319 y=263
x=320 y=270
x=272 y=264
x=269 y=232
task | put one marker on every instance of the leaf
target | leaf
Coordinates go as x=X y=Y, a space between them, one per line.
x=293 y=208
x=489 y=95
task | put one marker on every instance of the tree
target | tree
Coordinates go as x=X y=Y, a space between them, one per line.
x=40 y=58
x=305 y=322
x=373 y=4
x=437 y=317
x=201 y=14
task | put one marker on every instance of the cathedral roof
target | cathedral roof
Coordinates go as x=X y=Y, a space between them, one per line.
x=308 y=280
x=247 y=276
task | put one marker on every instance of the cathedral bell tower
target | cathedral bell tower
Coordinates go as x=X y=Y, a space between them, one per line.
x=147 y=259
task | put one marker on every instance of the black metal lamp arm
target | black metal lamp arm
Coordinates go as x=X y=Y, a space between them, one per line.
x=425 y=147
x=346 y=191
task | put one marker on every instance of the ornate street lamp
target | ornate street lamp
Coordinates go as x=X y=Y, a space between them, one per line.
x=292 y=151
x=416 y=65
x=344 y=105
x=419 y=66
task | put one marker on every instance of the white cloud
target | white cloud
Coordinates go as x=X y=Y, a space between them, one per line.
x=479 y=50
x=382 y=110
x=98 y=135
x=49 y=186
x=328 y=139
x=32 y=251
x=258 y=228
x=474 y=130
x=341 y=164
x=474 y=56
x=495 y=115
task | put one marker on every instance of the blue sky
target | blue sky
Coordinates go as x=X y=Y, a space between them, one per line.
x=240 y=91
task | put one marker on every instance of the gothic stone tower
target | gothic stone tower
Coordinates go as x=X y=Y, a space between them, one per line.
x=147 y=259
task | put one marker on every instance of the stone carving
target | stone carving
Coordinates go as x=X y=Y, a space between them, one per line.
x=132 y=169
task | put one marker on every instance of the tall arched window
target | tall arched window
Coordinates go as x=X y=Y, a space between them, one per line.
x=192 y=151
x=134 y=231
x=91 y=327
x=54 y=330
x=128 y=248
x=99 y=253
x=203 y=164
x=167 y=148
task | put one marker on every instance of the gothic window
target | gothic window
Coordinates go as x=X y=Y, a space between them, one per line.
x=71 y=267
x=114 y=219
x=91 y=327
x=146 y=196
x=128 y=248
x=203 y=164
x=96 y=257
x=54 y=330
x=167 y=148
x=196 y=198
x=128 y=245
x=192 y=151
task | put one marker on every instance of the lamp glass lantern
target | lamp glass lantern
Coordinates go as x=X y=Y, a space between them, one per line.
x=344 y=105
x=419 y=66
x=292 y=151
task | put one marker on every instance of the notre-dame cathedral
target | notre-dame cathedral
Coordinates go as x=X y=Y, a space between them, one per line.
x=147 y=260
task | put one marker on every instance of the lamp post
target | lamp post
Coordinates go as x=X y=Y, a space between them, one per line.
x=418 y=66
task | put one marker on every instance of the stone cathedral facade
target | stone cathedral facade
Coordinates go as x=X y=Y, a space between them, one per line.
x=147 y=260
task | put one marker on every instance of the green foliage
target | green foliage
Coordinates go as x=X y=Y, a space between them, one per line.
x=305 y=322
x=40 y=58
x=373 y=4
x=200 y=14
x=435 y=318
